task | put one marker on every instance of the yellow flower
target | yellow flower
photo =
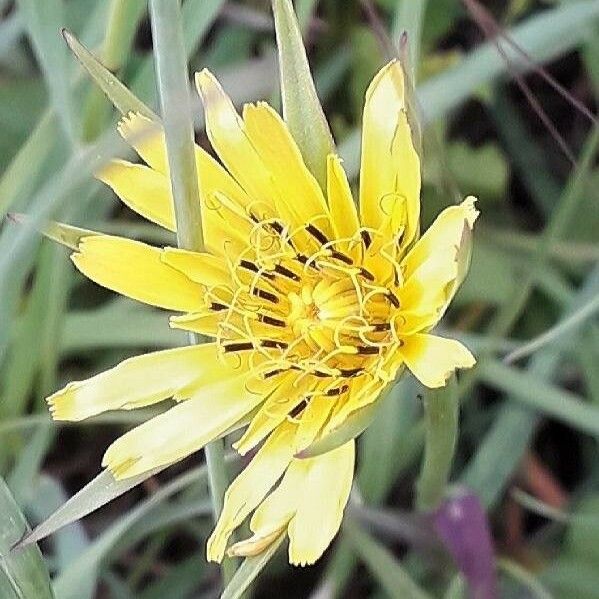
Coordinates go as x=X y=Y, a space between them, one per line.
x=312 y=305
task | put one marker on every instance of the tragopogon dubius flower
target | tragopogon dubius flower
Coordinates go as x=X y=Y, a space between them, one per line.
x=313 y=307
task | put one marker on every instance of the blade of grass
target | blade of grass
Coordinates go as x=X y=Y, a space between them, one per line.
x=567 y=325
x=44 y=21
x=23 y=574
x=548 y=399
x=67 y=583
x=503 y=446
x=122 y=23
x=386 y=570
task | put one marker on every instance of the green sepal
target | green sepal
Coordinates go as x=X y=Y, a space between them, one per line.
x=66 y=235
x=123 y=99
x=302 y=110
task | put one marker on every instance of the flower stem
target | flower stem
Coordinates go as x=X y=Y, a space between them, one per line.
x=171 y=74
x=441 y=418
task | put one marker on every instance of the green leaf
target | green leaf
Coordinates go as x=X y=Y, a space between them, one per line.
x=68 y=582
x=98 y=492
x=117 y=93
x=547 y=399
x=301 y=107
x=23 y=573
x=249 y=570
x=387 y=571
x=44 y=20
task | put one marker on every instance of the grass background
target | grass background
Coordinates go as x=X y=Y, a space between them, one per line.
x=529 y=427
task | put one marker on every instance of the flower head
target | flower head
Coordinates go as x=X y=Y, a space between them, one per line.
x=313 y=307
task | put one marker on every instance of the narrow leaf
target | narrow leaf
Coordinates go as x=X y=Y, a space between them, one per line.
x=95 y=494
x=301 y=108
x=546 y=398
x=382 y=565
x=117 y=93
x=249 y=570
x=23 y=574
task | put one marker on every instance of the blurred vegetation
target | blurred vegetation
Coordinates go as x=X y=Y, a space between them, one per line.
x=529 y=427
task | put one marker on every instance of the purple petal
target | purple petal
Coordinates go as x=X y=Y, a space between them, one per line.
x=462 y=525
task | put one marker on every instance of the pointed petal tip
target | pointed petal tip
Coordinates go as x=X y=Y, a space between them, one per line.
x=472 y=213
x=205 y=80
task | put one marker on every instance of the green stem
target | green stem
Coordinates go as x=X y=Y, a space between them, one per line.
x=171 y=73
x=441 y=418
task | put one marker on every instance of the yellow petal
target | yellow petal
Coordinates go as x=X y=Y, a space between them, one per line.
x=361 y=394
x=182 y=429
x=136 y=270
x=147 y=137
x=250 y=487
x=225 y=206
x=435 y=267
x=302 y=199
x=434 y=359
x=256 y=544
x=320 y=505
x=444 y=235
x=390 y=168
x=228 y=137
x=143 y=189
x=285 y=397
x=200 y=267
x=312 y=420
x=425 y=292
x=139 y=381
x=341 y=202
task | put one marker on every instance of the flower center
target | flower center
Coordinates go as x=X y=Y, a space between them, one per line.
x=302 y=302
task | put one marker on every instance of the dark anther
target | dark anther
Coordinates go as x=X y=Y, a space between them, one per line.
x=253 y=268
x=393 y=299
x=367 y=350
x=217 y=307
x=298 y=409
x=275 y=322
x=285 y=272
x=350 y=372
x=342 y=257
x=269 y=375
x=254 y=218
x=366 y=238
x=304 y=260
x=276 y=226
x=383 y=326
x=337 y=391
x=273 y=344
x=232 y=347
x=366 y=274
x=267 y=295
x=317 y=234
